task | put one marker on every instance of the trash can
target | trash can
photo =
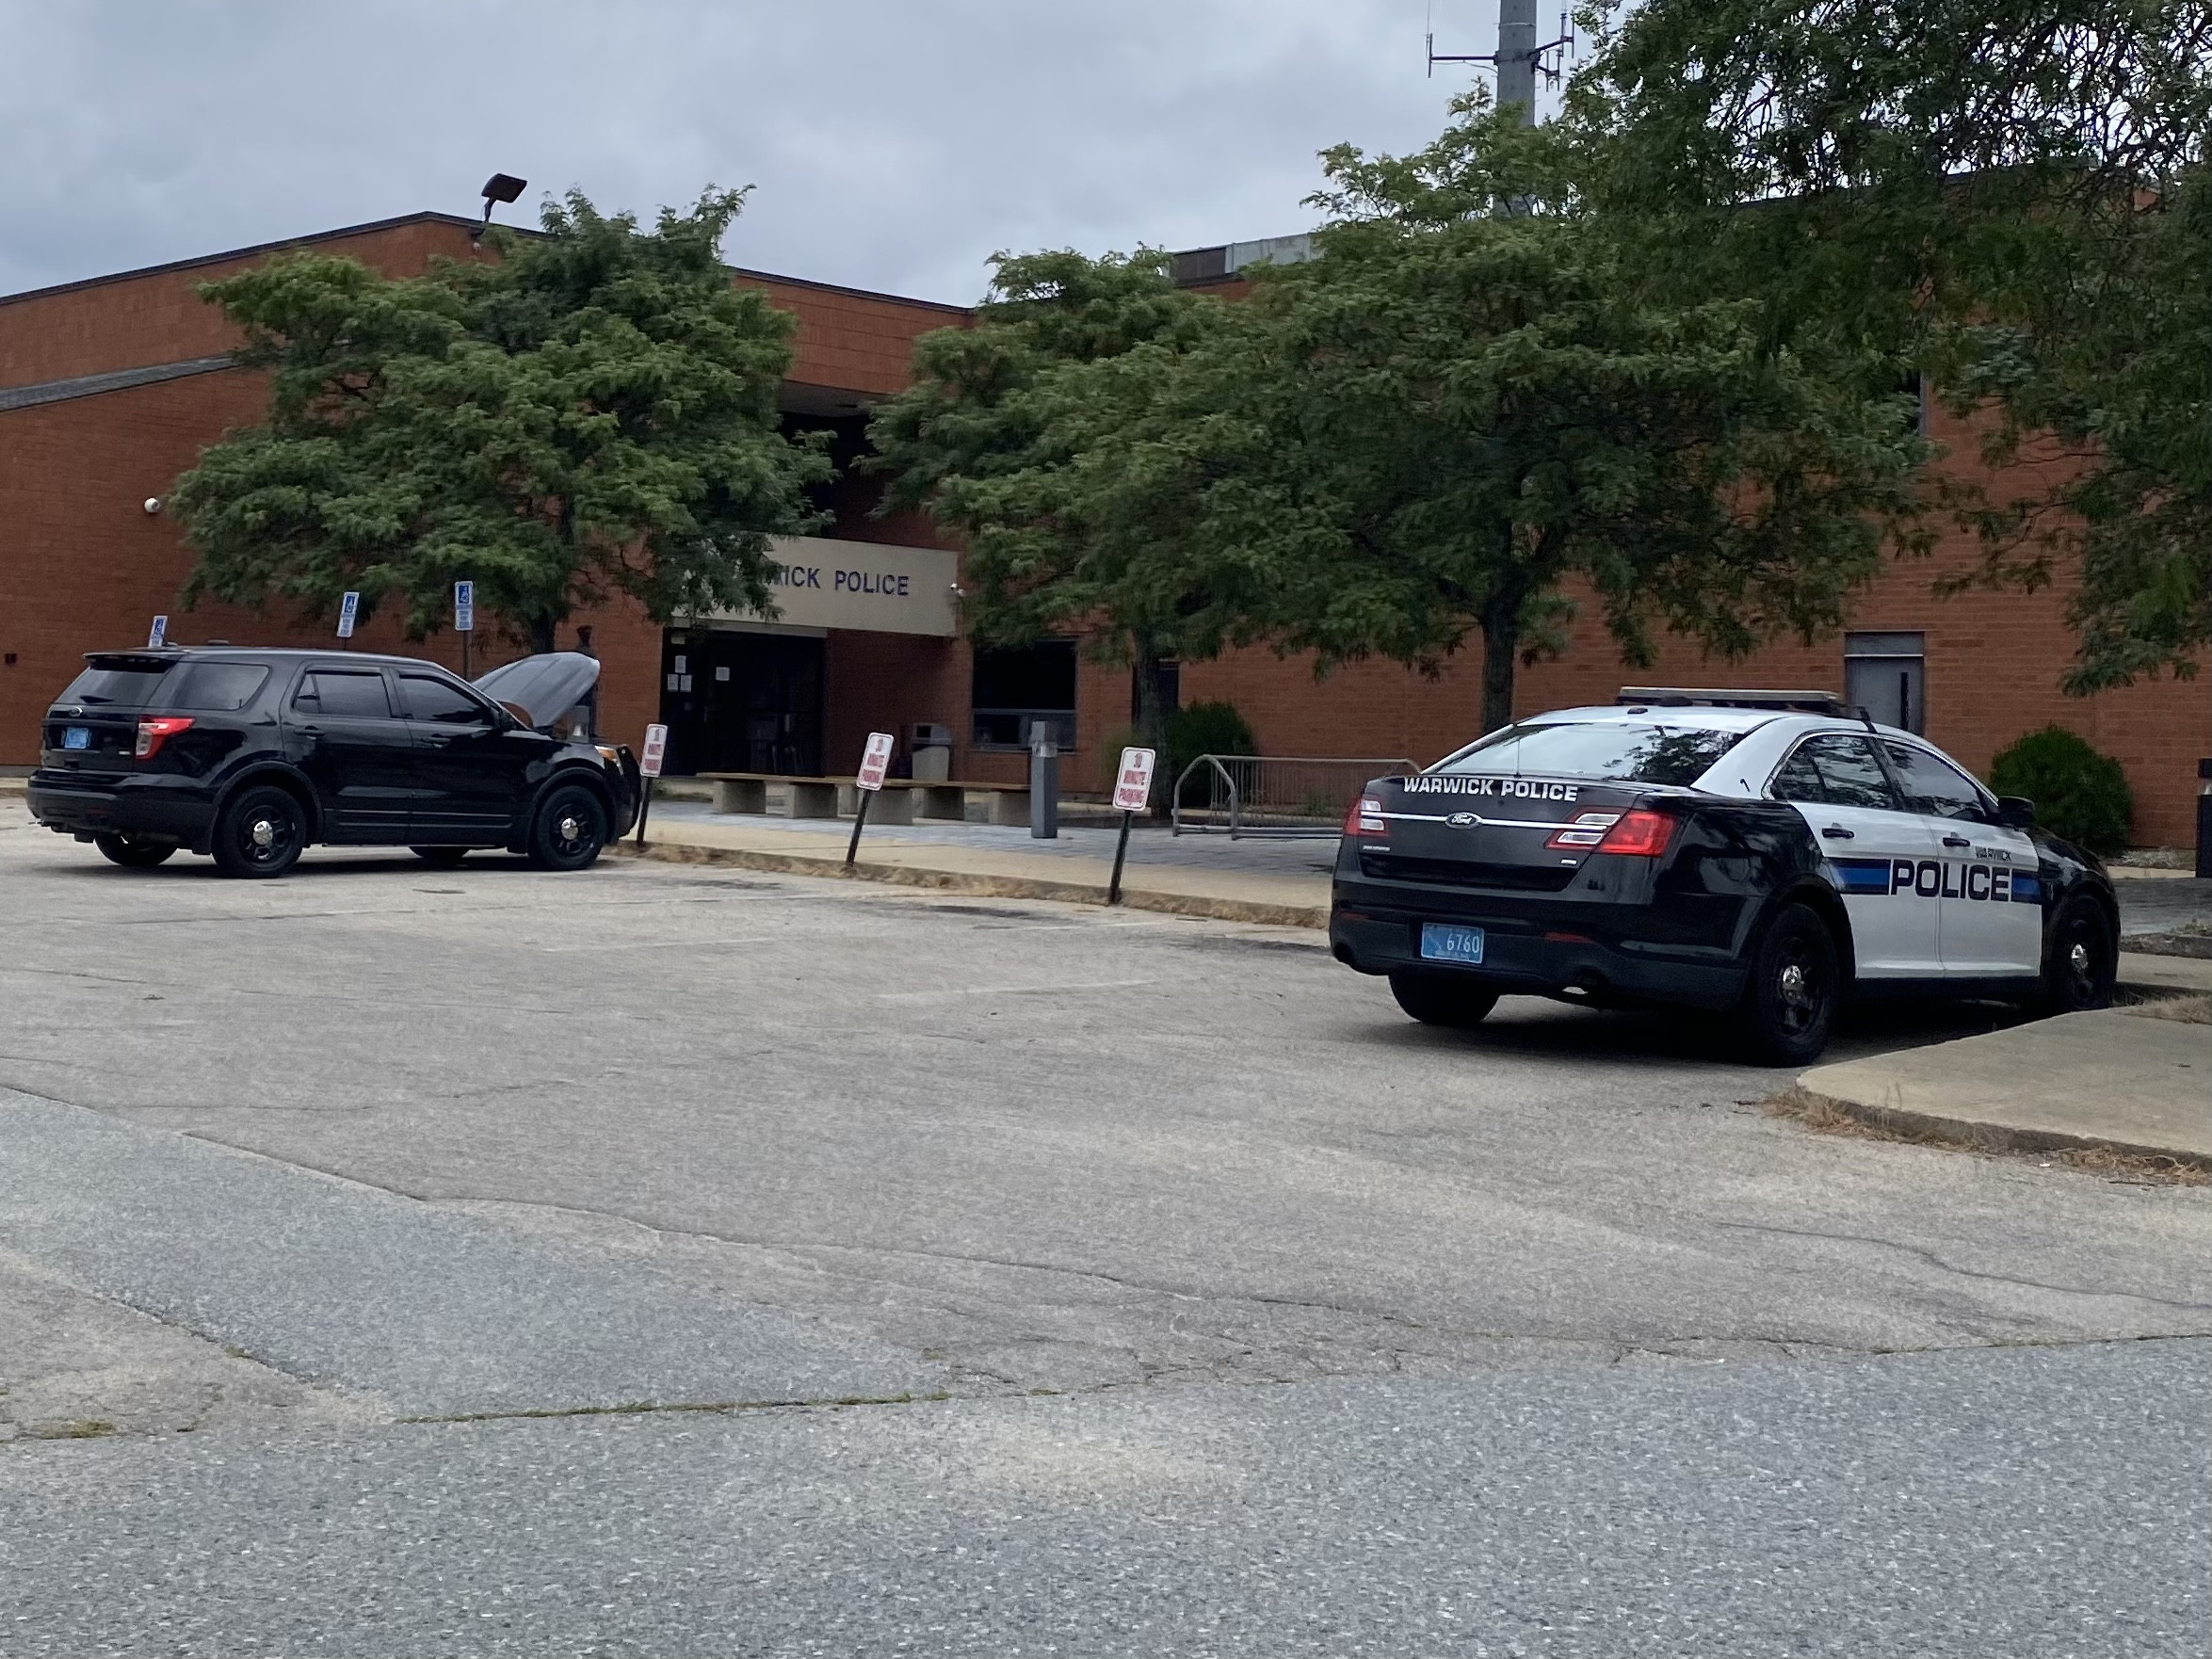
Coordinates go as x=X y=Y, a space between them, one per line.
x=1044 y=782
x=930 y=747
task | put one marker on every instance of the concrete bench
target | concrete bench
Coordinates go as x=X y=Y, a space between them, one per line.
x=747 y=792
x=900 y=801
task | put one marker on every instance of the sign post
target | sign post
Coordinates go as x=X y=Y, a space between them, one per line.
x=874 y=763
x=348 y=607
x=1132 y=795
x=464 y=619
x=649 y=765
x=157 y=636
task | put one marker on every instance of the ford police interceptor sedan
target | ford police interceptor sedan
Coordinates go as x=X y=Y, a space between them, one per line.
x=250 y=755
x=1764 y=860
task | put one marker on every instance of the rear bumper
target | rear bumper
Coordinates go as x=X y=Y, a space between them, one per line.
x=1533 y=944
x=164 y=808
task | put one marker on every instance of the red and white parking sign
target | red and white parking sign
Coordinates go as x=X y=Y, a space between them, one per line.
x=1133 y=782
x=876 y=762
x=656 y=750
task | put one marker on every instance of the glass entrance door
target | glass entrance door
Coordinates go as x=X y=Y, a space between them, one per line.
x=742 y=701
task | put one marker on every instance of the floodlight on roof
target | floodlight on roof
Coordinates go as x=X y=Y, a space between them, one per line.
x=499 y=187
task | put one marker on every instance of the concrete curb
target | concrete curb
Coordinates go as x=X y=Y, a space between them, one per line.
x=981 y=886
x=1976 y=1135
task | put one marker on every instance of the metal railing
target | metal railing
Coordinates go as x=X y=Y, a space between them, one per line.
x=1272 y=794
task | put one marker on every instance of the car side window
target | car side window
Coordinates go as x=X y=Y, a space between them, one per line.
x=1837 y=769
x=427 y=698
x=1933 y=785
x=343 y=694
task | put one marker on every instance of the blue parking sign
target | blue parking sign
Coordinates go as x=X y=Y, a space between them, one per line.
x=347 y=609
x=158 y=634
x=464 y=606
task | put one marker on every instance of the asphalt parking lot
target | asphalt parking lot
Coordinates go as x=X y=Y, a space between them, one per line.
x=377 y=1142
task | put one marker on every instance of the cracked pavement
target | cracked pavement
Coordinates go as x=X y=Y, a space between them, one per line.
x=489 y=1142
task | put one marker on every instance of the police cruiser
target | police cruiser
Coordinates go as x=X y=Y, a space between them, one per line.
x=1763 y=855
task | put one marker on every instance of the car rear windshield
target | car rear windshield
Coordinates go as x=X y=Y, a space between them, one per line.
x=1619 y=750
x=119 y=682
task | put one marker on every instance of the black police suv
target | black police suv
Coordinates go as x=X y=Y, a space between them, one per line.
x=251 y=755
x=1764 y=861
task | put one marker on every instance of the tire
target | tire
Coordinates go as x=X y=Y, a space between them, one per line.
x=261 y=833
x=1794 y=991
x=2080 y=959
x=1441 y=999
x=131 y=853
x=444 y=858
x=569 y=829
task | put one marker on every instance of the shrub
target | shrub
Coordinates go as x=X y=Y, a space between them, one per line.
x=2079 y=793
x=1204 y=728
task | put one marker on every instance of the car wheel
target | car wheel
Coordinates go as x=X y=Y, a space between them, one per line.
x=444 y=857
x=569 y=829
x=1441 y=999
x=133 y=853
x=2080 y=959
x=261 y=833
x=1795 y=988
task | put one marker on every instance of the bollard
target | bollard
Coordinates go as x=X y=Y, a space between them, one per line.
x=2204 y=819
x=1044 y=783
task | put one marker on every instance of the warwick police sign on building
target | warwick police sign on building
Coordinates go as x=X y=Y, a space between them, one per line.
x=876 y=586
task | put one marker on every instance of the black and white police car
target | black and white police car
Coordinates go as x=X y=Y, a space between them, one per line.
x=1759 y=854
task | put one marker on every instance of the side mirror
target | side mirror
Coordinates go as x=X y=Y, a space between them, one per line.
x=2015 y=812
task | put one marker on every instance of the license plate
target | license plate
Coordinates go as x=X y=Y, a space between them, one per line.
x=1441 y=944
x=77 y=737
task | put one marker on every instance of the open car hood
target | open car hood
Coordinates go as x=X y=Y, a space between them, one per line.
x=539 y=689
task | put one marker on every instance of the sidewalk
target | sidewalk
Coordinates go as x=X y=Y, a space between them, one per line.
x=2134 y=1079
x=1275 y=881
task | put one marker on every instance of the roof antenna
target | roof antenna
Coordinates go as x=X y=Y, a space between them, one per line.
x=1868 y=718
x=499 y=187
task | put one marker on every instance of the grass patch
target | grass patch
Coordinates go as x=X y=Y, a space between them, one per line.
x=76 y=1428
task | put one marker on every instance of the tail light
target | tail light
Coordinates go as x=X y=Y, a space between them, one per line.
x=1640 y=834
x=156 y=731
x=1366 y=818
x=1587 y=829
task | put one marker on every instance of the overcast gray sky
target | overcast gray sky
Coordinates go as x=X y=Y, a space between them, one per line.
x=895 y=145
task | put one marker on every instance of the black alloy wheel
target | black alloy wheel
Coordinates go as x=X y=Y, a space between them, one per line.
x=1795 y=988
x=2080 y=960
x=261 y=833
x=133 y=852
x=1441 y=999
x=569 y=829
x=444 y=857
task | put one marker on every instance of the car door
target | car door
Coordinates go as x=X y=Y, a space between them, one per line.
x=1988 y=896
x=473 y=766
x=342 y=732
x=1883 y=856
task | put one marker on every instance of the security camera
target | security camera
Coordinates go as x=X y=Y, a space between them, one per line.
x=153 y=504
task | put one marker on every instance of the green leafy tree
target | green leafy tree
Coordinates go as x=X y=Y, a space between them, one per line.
x=1473 y=398
x=592 y=412
x=997 y=437
x=2010 y=193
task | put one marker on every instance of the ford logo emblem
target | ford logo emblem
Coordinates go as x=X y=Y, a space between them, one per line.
x=1464 y=820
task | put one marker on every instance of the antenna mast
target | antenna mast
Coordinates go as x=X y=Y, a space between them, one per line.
x=1518 y=60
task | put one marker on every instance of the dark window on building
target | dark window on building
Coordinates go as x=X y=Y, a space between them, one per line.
x=1014 y=691
x=1886 y=674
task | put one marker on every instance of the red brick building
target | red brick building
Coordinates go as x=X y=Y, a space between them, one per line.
x=109 y=388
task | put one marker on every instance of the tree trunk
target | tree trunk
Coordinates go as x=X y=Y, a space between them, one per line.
x=1501 y=651
x=1152 y=711
x=542 y=634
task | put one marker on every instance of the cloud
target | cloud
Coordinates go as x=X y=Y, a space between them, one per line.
x=894 y=146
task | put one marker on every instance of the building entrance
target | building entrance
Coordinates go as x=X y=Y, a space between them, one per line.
x=742 y=701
